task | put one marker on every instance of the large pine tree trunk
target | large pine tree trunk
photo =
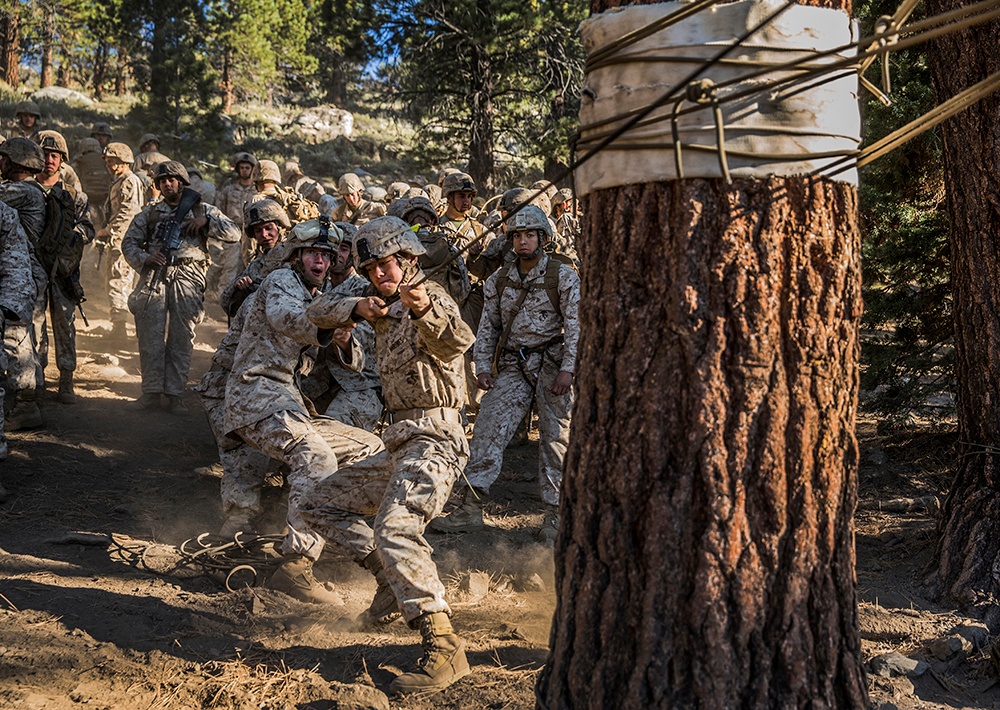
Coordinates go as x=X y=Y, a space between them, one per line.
x=10 y=43
x=226 y=83
x=48 y=40
x=100 y=69
x=706 y=554
x=968 y=555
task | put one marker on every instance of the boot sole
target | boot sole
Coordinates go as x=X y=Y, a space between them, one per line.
x=394 y=689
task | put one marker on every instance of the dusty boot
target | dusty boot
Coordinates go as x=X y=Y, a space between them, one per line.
x=295 y=578
x=444 y=659
x=550 y=525
x=66 y=393
x=383 y=609
x=213 y=471
x=467 y=517
x=149 y=400
x=25 y=414
x=176 y=405
x=239 y=520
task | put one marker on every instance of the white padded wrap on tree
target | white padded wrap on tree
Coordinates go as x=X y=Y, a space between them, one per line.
x=795 y=129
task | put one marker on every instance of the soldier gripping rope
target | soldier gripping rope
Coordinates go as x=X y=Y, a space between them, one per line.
x=419 y=342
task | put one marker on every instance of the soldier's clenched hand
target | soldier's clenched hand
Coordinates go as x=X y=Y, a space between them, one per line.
x=485 y=381
x=157 y=258
x=415 y=298
x=370 y=309
x=243 y=283
x=562 y=383
x=342 y=337
x=194 y=226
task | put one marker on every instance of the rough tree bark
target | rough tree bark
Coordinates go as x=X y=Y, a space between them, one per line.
x=482 y=161
x=968 y=553
x=48 y=44
x=10 y=43
x=706 y=554
x=100 y=69
x=226 y=83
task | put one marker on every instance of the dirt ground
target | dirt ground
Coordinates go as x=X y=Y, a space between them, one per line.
x=119 y=619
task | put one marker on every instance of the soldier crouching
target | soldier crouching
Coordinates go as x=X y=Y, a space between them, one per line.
x=419 y=343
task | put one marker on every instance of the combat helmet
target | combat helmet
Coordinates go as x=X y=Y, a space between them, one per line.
x=547 y=185
x=261 y=212
x=24 y=153
x=350 y=183
x=120 y=151
x=318 y=233
x=53 y=141
x=88 y=145
x=28 y=107
x=458 y=182
x=382 y=237
x=266 y=171
x=398 y=189
x=101 y=129
x=530 y=217
x=171 y=168
x=514 y=197
x=244 y=157
x=147 y=138
x=409 y=207
x=374 y=194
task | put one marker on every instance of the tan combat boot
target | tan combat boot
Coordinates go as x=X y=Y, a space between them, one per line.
x=66 y=393
x=384 y=609
x=444 y=659
x=25 y=414
x=468 y=517
x=295 y=578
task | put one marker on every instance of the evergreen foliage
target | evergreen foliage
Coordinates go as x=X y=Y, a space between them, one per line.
x=906 y=354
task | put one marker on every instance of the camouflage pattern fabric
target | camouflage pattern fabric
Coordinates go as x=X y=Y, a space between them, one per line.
x=17 y=287
x=126 y=197
x=366 y=212
x=420 y=361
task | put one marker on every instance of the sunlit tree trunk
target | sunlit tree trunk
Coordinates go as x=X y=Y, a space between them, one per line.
x=706 y=553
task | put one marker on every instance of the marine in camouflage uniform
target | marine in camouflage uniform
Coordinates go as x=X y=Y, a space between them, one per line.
x=243 y=467
x=94 y=178
x=17 y=292
x=528 y=337
x=20 y=160
x=306 y=186
x=354 y=208
x=63 y=295
x=205 y=188
x=232 y=199
x=165 y=317
x=419 y=343
x=265 y=223
x=265 y=406
x=126 y=198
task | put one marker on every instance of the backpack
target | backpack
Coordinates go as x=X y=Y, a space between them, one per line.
x=60 y=246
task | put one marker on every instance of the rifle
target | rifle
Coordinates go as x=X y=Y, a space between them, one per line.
x=169 y=232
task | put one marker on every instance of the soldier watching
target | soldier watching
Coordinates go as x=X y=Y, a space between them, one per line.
x=94 y=178
x=126 y=198
x=169 y=299
x=355 y=209
x=101 y=132
x=525 y=351
x=27 y=114
x=63 y=295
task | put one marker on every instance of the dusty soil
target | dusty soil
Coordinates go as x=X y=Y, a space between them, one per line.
x=118 y=620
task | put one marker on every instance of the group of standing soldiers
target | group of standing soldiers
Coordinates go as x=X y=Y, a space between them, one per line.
x=405 y=308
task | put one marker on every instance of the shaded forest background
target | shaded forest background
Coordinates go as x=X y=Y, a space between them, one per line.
x=489 y=85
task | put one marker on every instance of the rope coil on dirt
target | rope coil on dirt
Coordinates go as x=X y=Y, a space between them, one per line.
x=233 y=563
